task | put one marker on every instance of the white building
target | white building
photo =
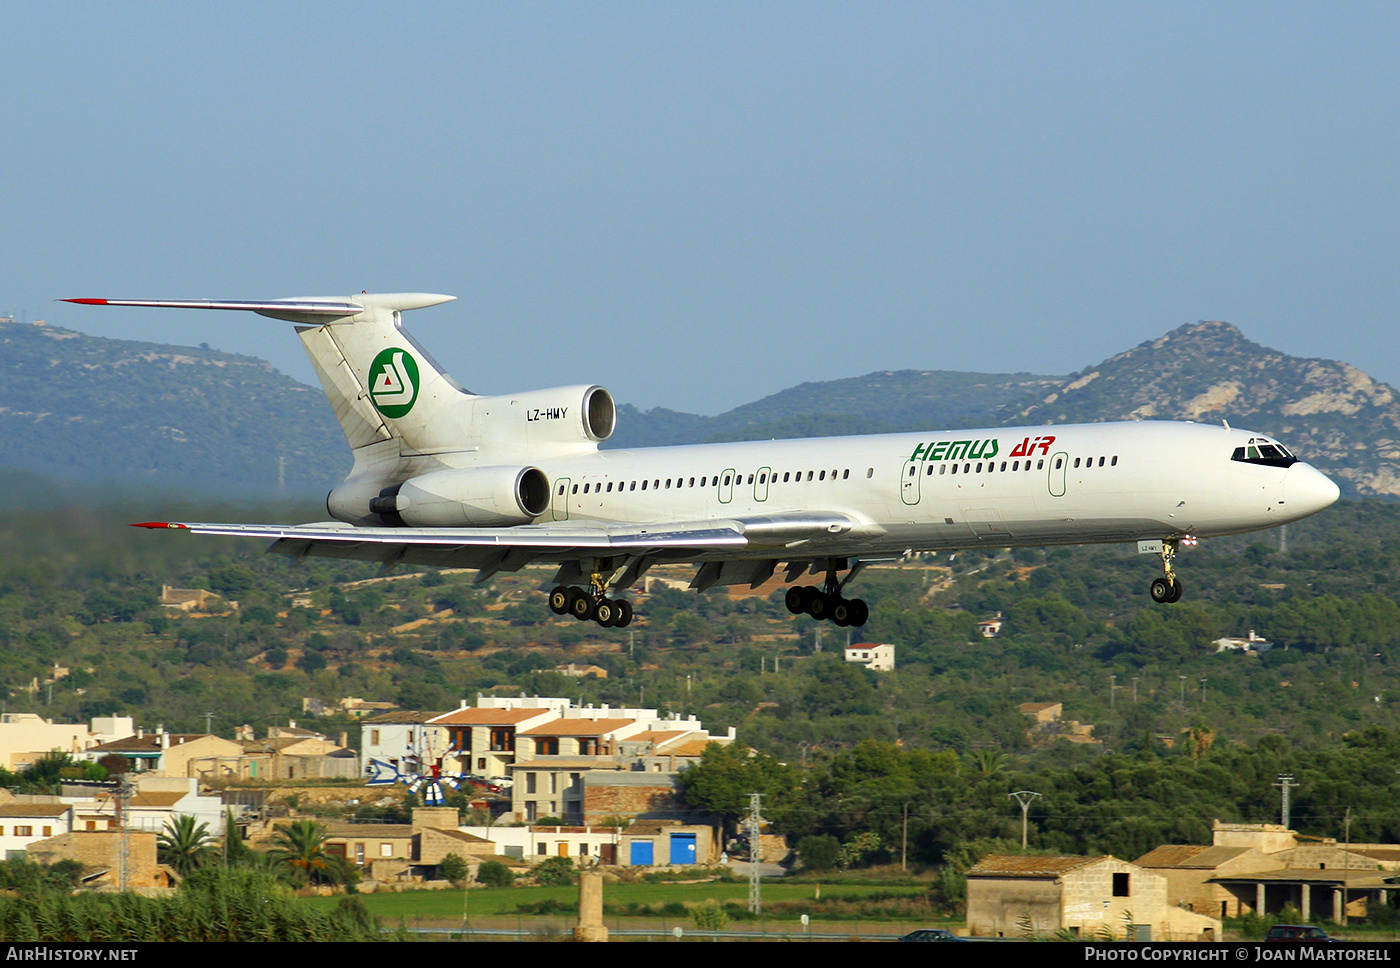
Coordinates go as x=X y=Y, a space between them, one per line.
x=879 y=658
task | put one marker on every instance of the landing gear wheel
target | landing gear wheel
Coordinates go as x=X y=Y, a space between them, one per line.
x=580 y=604
x=822 y=606
x=624 y=614
x=794 y=600
x=1165 y=592
x=810 y=594
x=860 y=612
x=605 y=612
x=841 y=613
x=559 y=601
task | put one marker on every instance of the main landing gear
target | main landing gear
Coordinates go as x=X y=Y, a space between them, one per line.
x=827 y=603
x=1167 y=589
x=584 y=606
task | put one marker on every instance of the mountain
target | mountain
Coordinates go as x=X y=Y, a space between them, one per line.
x=83 y=408
x=1328 y=413
x=891 y=401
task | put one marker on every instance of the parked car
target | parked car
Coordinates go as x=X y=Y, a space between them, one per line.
x=1299 y=934
x=931 y=934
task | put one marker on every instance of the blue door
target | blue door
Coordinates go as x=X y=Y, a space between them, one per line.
x=682 y=848
x=641 y=855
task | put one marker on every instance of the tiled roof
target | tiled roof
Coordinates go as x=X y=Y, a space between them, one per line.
x=488 y=717
x=1024 y=865
x=577 y=727
x=34 y=809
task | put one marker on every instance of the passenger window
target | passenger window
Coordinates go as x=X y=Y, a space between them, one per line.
x=575 y=490
x=750 y=479
x=1076 y=462
x=846 y=474
x=1059 y=462
x=1039 y=465
x=942 y=469
x=1114 y=462
x=561 y=488
x=821 y=476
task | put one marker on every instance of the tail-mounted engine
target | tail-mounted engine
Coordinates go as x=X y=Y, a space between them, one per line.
x=543 y=423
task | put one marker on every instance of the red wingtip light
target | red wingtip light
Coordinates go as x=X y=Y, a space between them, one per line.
x=160 y=524
x=86 y=302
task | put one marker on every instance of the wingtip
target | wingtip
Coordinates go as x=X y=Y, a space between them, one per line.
x=160 y=524
x=86 y=302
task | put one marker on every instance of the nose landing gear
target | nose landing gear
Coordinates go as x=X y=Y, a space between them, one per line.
x=1167 y=589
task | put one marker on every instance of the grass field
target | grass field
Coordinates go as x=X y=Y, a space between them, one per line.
x=782 y=902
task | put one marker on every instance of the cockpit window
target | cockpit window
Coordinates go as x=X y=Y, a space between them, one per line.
x=1266 y=452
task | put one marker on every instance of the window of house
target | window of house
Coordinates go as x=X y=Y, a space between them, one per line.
x=1120 y=885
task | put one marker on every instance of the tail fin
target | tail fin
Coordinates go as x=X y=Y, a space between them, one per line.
x=381 y=384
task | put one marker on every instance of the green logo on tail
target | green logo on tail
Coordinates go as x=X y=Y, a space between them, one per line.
x=393 y=382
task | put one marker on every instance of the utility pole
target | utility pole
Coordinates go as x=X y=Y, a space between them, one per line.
x=1024 y=798
x=1285 y=781
x=751 y=824
x=904 y=842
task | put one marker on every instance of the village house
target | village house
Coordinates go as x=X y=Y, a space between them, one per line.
x=1261 y=868
x=1010 y=895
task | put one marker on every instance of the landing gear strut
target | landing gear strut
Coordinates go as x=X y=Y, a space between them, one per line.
x=584 y=604
x=827 y=602
x=1167 y=589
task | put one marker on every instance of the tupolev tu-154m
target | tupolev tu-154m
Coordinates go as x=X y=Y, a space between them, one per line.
x=446 y=477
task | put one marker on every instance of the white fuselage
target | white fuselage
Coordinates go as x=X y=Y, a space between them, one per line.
x=1078 y=484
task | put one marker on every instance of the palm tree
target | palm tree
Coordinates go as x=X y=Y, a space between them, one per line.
x=300 y=845
x=185 y=845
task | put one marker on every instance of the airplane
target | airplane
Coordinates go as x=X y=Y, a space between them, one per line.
x=444 y=477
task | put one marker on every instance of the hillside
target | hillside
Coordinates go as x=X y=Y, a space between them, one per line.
x=1330 y=414
x=82 y=408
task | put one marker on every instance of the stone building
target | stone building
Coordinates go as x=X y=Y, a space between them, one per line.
x=1012 y=895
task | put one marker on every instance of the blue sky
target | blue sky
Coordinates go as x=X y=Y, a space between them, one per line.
x=700 y=204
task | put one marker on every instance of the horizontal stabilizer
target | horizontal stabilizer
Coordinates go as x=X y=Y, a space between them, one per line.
x=309 y=309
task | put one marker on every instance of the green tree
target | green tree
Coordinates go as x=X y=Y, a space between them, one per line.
x=300 y=847
x=493 y=873
x=185 y=846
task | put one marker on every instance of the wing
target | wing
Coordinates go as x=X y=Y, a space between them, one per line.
x=508 y=549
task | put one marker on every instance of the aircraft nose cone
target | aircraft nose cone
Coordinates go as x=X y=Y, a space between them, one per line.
x=1306 y=490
